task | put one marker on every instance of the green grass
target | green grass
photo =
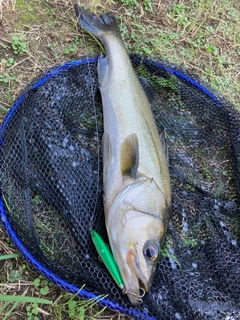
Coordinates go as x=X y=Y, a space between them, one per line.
x=202 y=36
x=39 y=296
x=75 y=309
x=14 y=301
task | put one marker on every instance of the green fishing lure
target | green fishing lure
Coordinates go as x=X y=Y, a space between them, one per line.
x=107 y=258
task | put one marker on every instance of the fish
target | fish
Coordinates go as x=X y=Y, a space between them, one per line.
x=136 y=179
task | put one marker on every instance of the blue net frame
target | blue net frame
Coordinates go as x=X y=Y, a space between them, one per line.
x=86 y=294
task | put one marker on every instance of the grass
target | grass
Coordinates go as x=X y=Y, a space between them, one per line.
x=25 y=293
x=202 y=36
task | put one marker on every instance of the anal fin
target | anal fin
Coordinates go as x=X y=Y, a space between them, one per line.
x=148 y=89
x=163 y=138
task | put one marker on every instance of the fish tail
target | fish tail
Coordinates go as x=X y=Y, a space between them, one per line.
x=98 y=26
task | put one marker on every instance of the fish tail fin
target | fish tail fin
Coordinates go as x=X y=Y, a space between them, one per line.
x=97 y=25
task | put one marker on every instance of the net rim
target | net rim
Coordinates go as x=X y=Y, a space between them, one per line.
x=63 y=284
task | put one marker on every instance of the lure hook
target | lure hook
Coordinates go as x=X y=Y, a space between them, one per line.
x=138 y=297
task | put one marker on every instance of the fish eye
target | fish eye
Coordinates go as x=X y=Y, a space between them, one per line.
x=151 y=251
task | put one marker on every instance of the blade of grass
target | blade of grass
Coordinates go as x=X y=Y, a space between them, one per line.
x=24 y=299
x=95 y=39
x=3 y=108
x=4 y=307
x=10 y=256
x=6 y=203
x=8 y=313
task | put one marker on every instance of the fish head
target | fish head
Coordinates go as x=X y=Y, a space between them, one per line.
x=138 y=254
x=137 y=236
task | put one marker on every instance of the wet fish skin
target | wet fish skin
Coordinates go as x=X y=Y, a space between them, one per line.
x=137 y=192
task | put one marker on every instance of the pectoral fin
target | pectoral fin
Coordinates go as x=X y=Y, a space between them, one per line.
x=129 y=156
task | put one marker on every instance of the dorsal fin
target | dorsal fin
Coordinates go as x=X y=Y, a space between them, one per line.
x=129 y=156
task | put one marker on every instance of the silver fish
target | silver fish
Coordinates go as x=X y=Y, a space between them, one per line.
x=137 y=192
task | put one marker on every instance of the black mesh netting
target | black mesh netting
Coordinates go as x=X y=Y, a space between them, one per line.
x=51 y=184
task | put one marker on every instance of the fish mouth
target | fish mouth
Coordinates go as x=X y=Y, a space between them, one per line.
x=135 y=283
x=135 y=296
